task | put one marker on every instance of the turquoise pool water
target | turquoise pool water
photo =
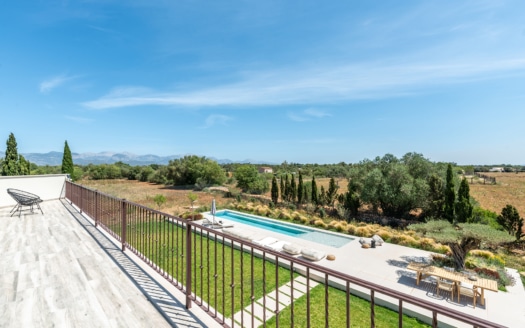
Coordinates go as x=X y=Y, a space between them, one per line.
x=285 y=228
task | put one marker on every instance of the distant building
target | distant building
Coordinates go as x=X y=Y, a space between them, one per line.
x=265 y=169
x=497 y=169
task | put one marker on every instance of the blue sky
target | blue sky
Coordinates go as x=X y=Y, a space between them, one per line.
x=297 y=81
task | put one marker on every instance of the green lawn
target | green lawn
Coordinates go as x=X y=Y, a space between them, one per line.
x=217 y=267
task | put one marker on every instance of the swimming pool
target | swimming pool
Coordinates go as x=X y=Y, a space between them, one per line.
x=293 y=230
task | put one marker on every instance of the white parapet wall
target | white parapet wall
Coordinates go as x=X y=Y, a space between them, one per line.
x=48 y=187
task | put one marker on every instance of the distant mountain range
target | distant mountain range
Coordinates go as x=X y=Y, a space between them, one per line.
x=55 y=158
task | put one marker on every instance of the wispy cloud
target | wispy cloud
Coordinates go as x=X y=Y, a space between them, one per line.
x=48 y=85
x=215 y=120
x=320 y=85
x=307 y=115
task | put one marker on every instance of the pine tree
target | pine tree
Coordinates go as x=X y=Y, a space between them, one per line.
x=275 y=190
x=11 y=164
x=450 y=196
x=314 y=192
x=300 y=191
x=463 y=206
x=67 y=161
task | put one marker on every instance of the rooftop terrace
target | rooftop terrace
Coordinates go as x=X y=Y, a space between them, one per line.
x=58 y=269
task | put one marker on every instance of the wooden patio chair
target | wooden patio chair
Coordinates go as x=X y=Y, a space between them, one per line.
x=470 y=291
x=446 y=285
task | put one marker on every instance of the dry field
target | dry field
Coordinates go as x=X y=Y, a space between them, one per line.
x=177 y=201
x=509 y=189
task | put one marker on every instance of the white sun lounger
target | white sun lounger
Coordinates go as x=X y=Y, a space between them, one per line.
x=246 y=236
x=312 y=254
x=265 y=241
x=277 y=246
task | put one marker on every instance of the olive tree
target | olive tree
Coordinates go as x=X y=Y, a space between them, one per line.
x=461 y=238
x=249 y=179
x=193 y=169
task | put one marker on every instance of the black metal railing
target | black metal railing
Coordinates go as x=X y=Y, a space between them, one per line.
x=243 y=284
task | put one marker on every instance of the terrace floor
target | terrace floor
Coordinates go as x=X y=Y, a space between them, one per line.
x=57 y=269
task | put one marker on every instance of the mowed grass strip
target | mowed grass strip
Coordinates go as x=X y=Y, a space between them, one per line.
x=359 y=312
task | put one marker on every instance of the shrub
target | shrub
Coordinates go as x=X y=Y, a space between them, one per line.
x=427 y=243
x=284 y=216
x=363 y=231
x=192 y=216
x=384 y=234
x=350 y=229
x=320 y=223
x=406 y=240
x=260 y=210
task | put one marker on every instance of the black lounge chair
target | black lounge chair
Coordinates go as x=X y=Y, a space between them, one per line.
x=24 y=198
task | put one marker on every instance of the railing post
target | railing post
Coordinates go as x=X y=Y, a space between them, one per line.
x=188 y=265
x=81 y=200
x=123 y=228
x=96 y=208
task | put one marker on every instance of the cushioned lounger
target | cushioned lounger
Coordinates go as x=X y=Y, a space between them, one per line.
x=265 y=241
x=238 y=234
x=277 y=246
x=292 y=249
x=312 y=254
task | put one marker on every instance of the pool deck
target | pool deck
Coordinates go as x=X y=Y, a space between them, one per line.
x=386 y=266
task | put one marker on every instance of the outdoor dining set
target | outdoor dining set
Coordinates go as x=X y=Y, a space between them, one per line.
x=455 y=283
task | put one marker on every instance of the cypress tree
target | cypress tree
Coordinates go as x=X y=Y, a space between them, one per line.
x=11 y=165
x=67 y=161
x=25 y=166
x=286 y=188
x=450 y=196
x=436 y=201
x=351 y=200
x=332 y=192
x=314 y=192
x=300 y=188
x=275 y=190
x=322 y=198
x=282 y=190
x=293 y=189
x=463 y=205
